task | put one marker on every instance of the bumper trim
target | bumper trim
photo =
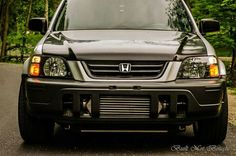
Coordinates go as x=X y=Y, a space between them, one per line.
x=52 y=91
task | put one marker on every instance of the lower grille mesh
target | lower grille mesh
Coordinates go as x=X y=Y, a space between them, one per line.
x=124 y=107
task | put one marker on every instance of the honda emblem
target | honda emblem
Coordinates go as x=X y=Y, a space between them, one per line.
x=125 y=67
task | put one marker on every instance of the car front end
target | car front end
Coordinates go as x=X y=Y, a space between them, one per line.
x=123 y=77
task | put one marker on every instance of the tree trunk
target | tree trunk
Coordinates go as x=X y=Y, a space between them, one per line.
x=28 y=15
x=1 y=8
x=233 y=69
x=233 y=66
x=4 y=26
x=233 y=63
x=26 y=29
x=1 y=17
x=46 y=10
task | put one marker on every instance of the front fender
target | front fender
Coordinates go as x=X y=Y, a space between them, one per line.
x=222 y=68
x=26 y=67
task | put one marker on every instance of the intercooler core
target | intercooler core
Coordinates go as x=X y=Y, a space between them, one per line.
x=125 y=106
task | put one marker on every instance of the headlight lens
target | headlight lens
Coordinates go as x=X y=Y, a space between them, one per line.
x=199 y=68
x=49 y=66
x=54 y=66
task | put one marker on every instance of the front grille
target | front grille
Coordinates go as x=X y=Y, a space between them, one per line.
x=111 y=69
x=124 y=106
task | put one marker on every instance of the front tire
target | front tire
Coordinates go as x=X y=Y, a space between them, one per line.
x=213 y=131
x=32 y=130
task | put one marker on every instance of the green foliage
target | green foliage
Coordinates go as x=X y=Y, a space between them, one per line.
x=225 y=12
x=18 y=32
x=224 y=52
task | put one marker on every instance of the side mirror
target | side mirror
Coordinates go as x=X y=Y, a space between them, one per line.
x=209 y=25
x=38 y=25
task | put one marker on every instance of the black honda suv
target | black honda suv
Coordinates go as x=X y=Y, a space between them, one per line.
x=123 y=65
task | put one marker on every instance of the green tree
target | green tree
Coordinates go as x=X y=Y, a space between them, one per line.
x=14 y=35
x=221 y=11
x=5 y=7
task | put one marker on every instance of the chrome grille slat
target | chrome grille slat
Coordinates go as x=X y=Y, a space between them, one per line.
x=124 y=113
x=103 y=65
x=145 y=71
x=124 y=106
x=123 y=116
x=147 y=66
x=128 y=99
x=125 y=99
x=111 y=69
x=128 y=107
x=121 y=103
x=104 y=71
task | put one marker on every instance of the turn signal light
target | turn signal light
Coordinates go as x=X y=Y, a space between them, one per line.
x=214 y=70
x=36 y=59
x=34 y=69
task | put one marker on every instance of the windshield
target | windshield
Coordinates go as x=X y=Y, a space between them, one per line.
x=123 y=14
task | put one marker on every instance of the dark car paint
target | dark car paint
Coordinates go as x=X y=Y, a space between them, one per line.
x=123 y=44
x=205 y=105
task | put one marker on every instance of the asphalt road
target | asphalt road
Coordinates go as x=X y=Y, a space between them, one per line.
x=68 y=143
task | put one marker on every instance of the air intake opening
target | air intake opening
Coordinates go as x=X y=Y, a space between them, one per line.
x=182 y=101
x=67 y=105
x=164 y=104
x=86 y=105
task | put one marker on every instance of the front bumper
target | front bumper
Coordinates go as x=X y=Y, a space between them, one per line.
x=202 y=99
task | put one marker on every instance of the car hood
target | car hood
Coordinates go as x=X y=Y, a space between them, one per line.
x=122 y=44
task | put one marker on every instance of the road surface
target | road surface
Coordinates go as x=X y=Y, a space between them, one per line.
x=100 y=143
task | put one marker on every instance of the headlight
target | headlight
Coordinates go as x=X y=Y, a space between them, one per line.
x=199 y=68
x=54 y=66
x=46 y=66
